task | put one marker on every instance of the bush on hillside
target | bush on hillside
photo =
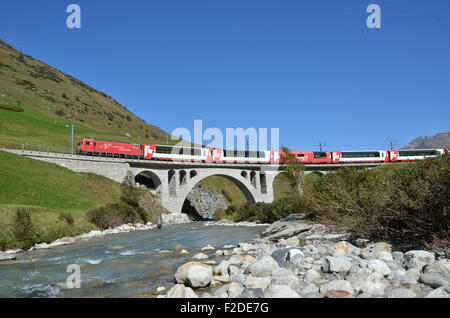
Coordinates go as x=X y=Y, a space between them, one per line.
x=12 y=108
x=112 y=215
x=66 y=217
x=23 y=228
x=263 y=212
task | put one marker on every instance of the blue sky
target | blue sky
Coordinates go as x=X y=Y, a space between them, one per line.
x=311 y=68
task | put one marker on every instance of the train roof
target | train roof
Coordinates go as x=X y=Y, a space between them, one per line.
x=119 y=142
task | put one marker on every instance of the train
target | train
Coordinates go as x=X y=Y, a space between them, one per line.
x=116 y=149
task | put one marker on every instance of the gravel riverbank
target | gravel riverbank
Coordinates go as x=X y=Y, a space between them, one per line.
x=295 y=258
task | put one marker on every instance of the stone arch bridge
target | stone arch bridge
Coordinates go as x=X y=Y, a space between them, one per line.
x=173 y=181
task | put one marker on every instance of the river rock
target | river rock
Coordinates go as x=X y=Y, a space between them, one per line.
x=180 y=291
x=280 y=291
x=340 y=264
x=381 y=251
x=252 y=293
x=236 y=259
x=346 y=247
x=312 y=276
x=338 y=294
x=219 y=253
x=337 y=285
x=245 y=247
x=435 y=280
x=440 y=292
x=222 y=268
x=441 y=266
x=288 y=257
x=228 y=247
x=200 y=256
x=190 y=293
x=247 y=260
x=418 y=259
x=398 y=256
x=208 y=248
x=375 y=285
x=400 y=293
x=6 y=256
x=379 y=266
x=184 y=252
x=292 y=242
x=262 y=267
x=257 y=282
x=223 y=279
x=161 y=290
x=194 y=274
x=290 y=226
x=234 y=290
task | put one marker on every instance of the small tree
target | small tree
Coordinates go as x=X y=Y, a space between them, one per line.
x=23 y=228
x=294 y=170
x=130 y=192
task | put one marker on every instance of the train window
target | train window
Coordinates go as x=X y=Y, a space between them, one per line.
x=300 y=155
x=416 y=153
x=164 y=150
x=318 y=155
x=87 y=143
x=360 y=155
x=137 y=147
x=261 y=154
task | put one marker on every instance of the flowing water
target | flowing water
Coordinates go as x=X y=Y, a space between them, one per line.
x=119 y=265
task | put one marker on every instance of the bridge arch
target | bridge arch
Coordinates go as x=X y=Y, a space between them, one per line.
x=246 y=187
x=149 y=179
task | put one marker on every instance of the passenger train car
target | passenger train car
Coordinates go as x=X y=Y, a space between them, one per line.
x=105 y=148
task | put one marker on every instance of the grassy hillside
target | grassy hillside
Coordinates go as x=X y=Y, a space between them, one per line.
x=38 y=102
x=47 y=189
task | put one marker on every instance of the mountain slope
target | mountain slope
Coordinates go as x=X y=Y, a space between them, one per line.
x=441 y=140
x=38 y=102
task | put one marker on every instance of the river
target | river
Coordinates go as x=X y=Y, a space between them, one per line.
x=118 y=265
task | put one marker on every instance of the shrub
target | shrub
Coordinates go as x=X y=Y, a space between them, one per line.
x=60 y=113
x=263 y=212
x=66 y=217
x=112 y=215
x=16 y=109
x=23 y=228
x=219 y=214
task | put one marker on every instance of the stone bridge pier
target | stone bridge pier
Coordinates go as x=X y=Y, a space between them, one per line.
x=173 y=184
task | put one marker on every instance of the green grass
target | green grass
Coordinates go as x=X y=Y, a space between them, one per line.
x=45 y=190
x=26 y=181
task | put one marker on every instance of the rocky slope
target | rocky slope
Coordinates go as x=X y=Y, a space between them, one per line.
x=204 y=200
x=441 y=140
x=295 y=258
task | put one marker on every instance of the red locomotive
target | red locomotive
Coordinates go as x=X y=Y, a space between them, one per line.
x=106 y=148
